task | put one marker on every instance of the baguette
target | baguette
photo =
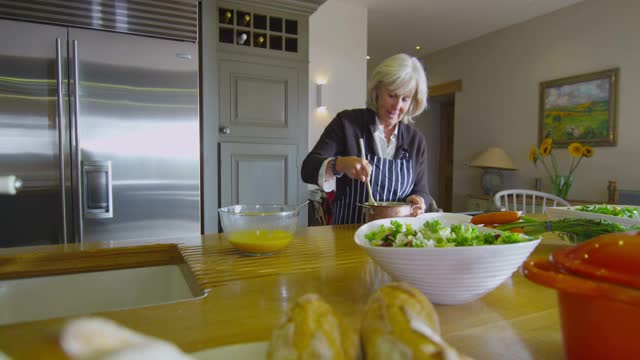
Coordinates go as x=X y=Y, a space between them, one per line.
x=313 y=330
x=401 y=323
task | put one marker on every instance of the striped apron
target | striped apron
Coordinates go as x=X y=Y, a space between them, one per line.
x=391 y=180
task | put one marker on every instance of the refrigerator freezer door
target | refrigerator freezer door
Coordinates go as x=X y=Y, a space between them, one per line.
x=30 y=140
x=138 y=109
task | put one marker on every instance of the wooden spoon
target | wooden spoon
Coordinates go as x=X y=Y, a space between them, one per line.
x=371 y=199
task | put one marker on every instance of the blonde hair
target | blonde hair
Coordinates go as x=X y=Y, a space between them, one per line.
x=401 y=74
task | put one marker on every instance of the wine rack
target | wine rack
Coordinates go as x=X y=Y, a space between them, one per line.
x=252 y=29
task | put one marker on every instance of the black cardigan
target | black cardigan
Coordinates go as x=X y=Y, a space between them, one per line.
x=341 y=138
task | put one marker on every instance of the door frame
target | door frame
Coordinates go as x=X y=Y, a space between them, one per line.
x=447 y=139
x=446 y=88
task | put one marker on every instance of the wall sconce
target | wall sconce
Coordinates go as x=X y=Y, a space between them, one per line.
x=492 y=161
x=320 y=97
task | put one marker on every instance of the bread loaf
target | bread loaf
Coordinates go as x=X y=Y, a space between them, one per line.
x=401 y=323
x=313 y=330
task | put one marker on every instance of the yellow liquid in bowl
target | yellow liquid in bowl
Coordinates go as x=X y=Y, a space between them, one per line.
x=260 y=241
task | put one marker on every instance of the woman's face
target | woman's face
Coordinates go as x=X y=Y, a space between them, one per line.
x=392 y=106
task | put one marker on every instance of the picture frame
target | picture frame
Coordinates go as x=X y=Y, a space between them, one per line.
x=581 y=108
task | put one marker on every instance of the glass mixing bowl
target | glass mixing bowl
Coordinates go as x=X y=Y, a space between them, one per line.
x=259 y=229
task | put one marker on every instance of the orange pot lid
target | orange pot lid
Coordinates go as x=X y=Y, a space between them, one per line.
x=613 y=258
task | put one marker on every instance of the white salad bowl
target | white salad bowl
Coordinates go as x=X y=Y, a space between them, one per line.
x=450 y=275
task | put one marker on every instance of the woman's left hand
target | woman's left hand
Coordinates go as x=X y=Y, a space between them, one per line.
x=418 y=204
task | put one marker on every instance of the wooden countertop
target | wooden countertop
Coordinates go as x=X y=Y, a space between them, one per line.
x=248 y=295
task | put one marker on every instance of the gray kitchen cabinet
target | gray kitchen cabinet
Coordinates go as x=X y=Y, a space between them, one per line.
x=263 y=71
x=258 y=174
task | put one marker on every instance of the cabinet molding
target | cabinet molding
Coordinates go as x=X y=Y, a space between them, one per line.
x=304 y=7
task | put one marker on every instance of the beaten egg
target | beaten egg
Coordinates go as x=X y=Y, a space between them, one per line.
x=260 y=242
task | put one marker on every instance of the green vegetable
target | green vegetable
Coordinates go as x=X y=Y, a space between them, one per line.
x=433 y=226
x=626 y=211
x=572 y=230
x=434 y=234
x=377 y=234
x=396 y=228
x=510 y=238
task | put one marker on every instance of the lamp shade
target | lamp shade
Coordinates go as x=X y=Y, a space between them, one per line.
x=494 y=158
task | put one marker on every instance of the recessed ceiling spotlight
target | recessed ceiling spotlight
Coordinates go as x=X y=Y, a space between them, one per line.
x=368 y=57
x=418 y=47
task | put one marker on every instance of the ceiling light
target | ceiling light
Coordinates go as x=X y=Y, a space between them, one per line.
x=368 y=57
x=418 y=47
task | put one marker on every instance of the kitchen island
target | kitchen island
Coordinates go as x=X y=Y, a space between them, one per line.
x=247 y=296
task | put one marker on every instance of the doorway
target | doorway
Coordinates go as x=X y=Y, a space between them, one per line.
x=437 y=125
x=445 y=156
x=442 y=99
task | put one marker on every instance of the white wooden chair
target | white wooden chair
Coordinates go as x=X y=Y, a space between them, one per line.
x=528 y=201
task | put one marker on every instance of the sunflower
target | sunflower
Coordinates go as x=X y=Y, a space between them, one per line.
x=587 y=151
x=545 y=155
x=533 y=154
x=576 y=149
x=545 y=149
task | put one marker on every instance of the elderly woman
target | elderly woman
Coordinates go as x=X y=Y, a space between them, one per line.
x=395 y=159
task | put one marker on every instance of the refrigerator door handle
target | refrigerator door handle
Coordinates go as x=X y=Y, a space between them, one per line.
x=76 y=138
x=97 y=189
x=60 y=98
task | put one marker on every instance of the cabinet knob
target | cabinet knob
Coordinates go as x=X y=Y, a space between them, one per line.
x=225 y=130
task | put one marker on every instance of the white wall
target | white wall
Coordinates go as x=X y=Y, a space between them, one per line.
x=337 y=55
x=501 y=73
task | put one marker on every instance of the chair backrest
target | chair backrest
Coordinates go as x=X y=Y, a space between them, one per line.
x=528 y=201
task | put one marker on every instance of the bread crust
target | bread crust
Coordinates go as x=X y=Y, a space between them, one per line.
x=313 y=330
x=399 y=322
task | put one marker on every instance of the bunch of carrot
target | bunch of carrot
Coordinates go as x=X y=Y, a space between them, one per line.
x=493 y=219
x=572 y=230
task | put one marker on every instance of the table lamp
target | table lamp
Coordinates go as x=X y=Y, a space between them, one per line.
x=492 y=161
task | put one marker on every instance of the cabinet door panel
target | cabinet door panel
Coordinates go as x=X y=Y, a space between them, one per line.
x=258 y=100
x=258 y=174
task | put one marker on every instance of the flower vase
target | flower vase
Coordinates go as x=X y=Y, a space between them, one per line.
x=560 y=185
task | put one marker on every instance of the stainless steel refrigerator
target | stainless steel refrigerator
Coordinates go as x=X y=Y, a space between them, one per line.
x=103 y=130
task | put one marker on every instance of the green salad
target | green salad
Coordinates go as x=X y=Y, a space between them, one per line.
x=625 y=211
x=434 y=234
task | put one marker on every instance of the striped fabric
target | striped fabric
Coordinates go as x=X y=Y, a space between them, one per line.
x=391 y=180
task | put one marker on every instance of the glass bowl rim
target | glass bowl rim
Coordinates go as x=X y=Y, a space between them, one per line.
x=290 y=210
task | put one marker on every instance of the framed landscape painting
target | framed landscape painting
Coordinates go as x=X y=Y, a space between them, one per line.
x=580 y=108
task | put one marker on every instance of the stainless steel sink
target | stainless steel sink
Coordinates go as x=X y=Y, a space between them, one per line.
x=47 y=297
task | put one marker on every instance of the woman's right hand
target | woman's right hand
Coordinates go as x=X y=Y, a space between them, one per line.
x=354 y=167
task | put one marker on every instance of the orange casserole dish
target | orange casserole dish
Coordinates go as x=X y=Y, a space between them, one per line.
x=598 y=284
